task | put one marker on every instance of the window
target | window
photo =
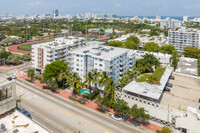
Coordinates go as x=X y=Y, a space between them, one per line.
x=100 y=59
x=77 y=69
x=100 y=64
x=5 y=93
x=77 y=60
x=77 y=64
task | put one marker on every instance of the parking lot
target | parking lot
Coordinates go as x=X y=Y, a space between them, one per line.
x=185 y=92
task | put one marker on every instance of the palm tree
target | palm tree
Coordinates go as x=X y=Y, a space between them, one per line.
x=122 y=82
x=64 y=75
x=96 y=75
x=104 y=78
x=75 y=82
x=110 y=89
x=88 y=80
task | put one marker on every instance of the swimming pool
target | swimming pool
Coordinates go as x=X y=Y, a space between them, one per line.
x=87 y=92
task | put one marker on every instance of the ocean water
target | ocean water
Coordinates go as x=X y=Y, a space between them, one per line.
x=162 y=17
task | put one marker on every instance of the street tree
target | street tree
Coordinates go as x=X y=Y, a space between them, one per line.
x=31 y=73
x=151 y=46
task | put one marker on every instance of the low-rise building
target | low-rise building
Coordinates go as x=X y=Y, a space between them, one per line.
x=170 y=24
x=46 y=53
x=115 y=61
x=165 y=59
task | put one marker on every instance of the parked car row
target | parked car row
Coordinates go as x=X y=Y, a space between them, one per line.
x=11 y=78
x=169 y=84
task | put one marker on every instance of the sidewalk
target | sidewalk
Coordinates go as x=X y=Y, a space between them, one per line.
x=90 y=104
x=10 y=67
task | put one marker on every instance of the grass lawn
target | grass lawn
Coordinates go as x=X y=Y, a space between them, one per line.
x=142 y=78
x=28 y=47
x=158 y=73
x=89 y=37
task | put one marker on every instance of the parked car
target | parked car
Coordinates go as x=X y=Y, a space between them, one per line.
x=9 y=78
x=172 y=77
x=14 y=77
x=167 y=89
x=116 y=117
x=169 y=85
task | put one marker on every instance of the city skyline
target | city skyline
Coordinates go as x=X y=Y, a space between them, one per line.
x=125 y=8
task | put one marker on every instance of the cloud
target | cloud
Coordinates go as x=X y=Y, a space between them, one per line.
x=35 y=3
x=117 y=4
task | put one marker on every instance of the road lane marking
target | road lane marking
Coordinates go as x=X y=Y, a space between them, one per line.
x=65 y=113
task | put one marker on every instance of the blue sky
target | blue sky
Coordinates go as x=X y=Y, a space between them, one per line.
x=120 y=7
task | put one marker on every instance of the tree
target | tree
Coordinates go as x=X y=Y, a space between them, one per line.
x=26 y=57
x=174 y=59
x=152 y=79
x=53 y=70
x=88 y=80
x=153 y=33
x=191 y=52
x=96 y=75
x=110 y=90
x=31 y=73
x=131 y=45
x=64 y=76
x=151 y=46
x=133 y=39
x=121 y=106
x=104 y=78
x=167 y=49
x=114 y=44
x=4 y=54
x=164 y=130
x=14 y=59
x=75 y=82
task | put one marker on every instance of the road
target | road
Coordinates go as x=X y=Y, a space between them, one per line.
x=63 y=116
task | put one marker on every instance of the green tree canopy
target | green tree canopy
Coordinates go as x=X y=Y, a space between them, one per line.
x=4 y=53
x=191 y=52
x=114 y=44
x=167 y=49
x=131 y=45
x=174 y=59
x=151 y=46
x=164 y=130
x=53 y=70
x=31 y=73
x=14 y=59
x=133 y=39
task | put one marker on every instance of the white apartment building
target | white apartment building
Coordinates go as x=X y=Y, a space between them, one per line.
x=183 y=38
x=186 y=18
x=163 y=58
x=45 y=53
x=170 y=24
x=115 y=61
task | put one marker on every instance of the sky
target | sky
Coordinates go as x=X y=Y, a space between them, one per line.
x=119 y=7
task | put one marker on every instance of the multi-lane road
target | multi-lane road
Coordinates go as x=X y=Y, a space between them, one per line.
x=62 y=116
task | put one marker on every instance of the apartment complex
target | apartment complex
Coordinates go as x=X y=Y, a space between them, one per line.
x=163 y=58
x=183 y=38
x=7 y=96
x=115 y=61
x=170 y=24
x=43 y=54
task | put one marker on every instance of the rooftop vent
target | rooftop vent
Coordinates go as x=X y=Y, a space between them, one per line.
x=112 y=48
x=86 y=51
x=98 y=54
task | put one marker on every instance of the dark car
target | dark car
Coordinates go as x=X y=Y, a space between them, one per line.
x=9 y=78
x=172 y=77
x=169 y=85
x=167 y=89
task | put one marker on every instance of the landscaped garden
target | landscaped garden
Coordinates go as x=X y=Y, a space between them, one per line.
x=28 y=47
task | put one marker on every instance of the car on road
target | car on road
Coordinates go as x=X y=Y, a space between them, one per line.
x=169 y=85
x=9 y=78
x=116 y=117
x=14 y=77
x=172 y=77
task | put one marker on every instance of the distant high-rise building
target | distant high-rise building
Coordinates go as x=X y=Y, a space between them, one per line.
x=55 y=13
x=170 y=24
x=112 y=16
x=186 y=18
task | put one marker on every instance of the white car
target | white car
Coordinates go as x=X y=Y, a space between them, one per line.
x=116 y=117
x=14 y=77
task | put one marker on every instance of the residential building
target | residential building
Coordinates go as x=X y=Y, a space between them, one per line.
x=163 y=58
x=112 y=16
x=7 y=96
x=170 y=24
x=186 y=19
x=115 y=61
x=184 y=37
x=55 y=13
x=45 y=53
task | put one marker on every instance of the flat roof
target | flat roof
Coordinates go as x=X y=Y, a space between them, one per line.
x=17 y=121
x=148 y=90
x=104 y=52
x=187 y=66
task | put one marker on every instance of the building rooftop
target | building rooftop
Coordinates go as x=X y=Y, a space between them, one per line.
x=148 y=90
x=104 y=52
x=154 y=53
x=16 y=122
x=187 y=66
